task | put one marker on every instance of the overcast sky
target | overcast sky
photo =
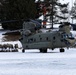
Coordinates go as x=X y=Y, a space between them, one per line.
x=66 y=1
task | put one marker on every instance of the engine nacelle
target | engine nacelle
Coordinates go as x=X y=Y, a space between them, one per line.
x=65 y=27
x=31 y=26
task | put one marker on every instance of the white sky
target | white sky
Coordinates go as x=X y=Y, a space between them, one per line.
x=66 y=1
x=70 y=2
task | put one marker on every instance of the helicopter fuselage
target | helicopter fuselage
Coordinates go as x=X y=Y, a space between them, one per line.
x=54 y=39
x=33 y=37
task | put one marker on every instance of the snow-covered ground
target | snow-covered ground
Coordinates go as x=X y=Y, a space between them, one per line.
x=34 y=63
x=7 y=42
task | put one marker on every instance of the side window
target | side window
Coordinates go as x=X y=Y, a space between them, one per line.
x=40 y=39
x=26 y=46
x=47 y=38
x=30 y=40
x=39 y=35
x=34 y=40
x=54 y=38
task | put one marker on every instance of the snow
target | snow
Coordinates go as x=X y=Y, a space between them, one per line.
x=68 y=1
x=34 y=63
x=7 y=42
x=73 y=33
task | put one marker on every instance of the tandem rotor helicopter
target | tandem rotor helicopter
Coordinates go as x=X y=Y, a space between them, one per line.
x=33 y=36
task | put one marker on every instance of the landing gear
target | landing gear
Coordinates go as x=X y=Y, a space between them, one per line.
x=43 y=50
x=23 y=50
x=40 y=50
x=62 y=50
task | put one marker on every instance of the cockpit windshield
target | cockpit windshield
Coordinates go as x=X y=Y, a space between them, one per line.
x=67 y=36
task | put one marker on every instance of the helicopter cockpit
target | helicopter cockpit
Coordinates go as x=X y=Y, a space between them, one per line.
x=68 y=39
x=67 y=36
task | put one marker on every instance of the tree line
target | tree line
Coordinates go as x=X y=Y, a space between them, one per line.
x=16 y=10
x=19 y=10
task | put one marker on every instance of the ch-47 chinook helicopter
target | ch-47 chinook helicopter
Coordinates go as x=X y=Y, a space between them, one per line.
x=32 y=37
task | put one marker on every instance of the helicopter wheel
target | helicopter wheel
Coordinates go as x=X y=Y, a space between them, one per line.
x=40 y=50
x=23 y=50
x=62 y=50
x=43 y=50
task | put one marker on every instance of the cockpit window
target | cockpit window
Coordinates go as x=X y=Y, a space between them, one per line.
x=64 y=36
x=67 y=36
x=70 y=36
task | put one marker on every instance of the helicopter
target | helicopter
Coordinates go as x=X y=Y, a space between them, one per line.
x=33 y=37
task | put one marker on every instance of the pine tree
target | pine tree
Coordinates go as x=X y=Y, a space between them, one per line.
x=17 y=10
x=73 y=11
x=53 y=10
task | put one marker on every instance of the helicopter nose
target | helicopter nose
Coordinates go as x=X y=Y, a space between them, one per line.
x=71 y=41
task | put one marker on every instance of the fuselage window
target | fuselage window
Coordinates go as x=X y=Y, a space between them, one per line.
x=40 y=39
x=47 y=38
x=54 y=38
x=34 y=40
x=26 y=46
x=39 y=35
x=30 y=40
